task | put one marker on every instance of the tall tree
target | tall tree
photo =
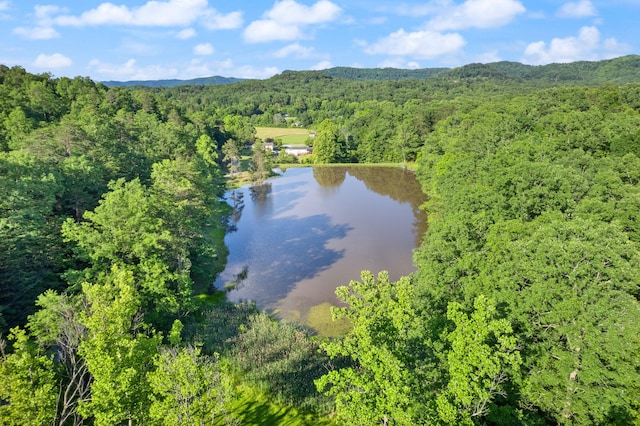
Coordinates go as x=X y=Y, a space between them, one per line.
x=260 y=164
x=126 y=230
x=119 y=351
x=329 y=143
x=56 y=326
x=30 y=247
x=385 y=383
x=231 y=151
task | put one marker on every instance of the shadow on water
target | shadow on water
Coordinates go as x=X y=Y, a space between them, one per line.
x=282 y=256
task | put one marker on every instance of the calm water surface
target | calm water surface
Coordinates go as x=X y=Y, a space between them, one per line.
x=311 y=230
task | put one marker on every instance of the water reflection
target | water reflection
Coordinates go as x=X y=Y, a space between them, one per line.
x=281 y=253
x=236 y=200
x=311 y=230
x=329 y=177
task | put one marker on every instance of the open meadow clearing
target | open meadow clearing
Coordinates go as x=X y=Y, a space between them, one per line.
x=289 y=136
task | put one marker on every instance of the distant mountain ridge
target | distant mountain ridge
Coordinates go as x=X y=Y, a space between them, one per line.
x=618 y=70
x=174 y=82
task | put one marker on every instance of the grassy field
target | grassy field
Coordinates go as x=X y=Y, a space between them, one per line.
x=289 y=136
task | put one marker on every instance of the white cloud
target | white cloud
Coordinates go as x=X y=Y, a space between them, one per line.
x=37 y=33
x=586 y=46
x=185 y=34
x=57 y=60
x=262 y=31
x=488 y=57
x=43 y=30
x=197 y=68
x=287 y=20
x=213 y=20
x=294 y=49
x=398 y=63
x=226 y=68
x=290 y=12
x=322 y=65
x=476 y=14
x=130 y=71
x=43 y=13
x=614 y=48
x=578 y=9
x=154 y=13
x=249 y=71
x=419 y=44
x=203 y=49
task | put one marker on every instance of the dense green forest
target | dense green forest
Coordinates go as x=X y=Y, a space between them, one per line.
x=524 y=308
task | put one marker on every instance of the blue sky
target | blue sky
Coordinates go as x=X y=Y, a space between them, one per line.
x=184 y=39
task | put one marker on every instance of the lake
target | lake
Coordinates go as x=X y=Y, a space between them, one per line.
x=304 y=233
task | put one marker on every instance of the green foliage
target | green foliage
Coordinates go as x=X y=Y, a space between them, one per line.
x=30 y=249
x=239 y=128
x=28 y=392
x=281 y=360
x=231 y=151
x=534 y=205
x=174 y=336
x=575 y=284
x=189 y=389
x=206 y=148
x=260 y=164
x=483 y=356
x=385 y=383
x=150 y=230
x=118 y=350
x=329 y=144
x=530 y=208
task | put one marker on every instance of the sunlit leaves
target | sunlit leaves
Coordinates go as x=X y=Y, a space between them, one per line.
x=188 y=388
x=28 y=392
x=383 y=384
x=482 y=358
x=118 y=351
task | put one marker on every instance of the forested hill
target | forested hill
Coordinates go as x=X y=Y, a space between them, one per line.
x=382 y=74
x=620 y=70
x=624 y=69
x=173 y=83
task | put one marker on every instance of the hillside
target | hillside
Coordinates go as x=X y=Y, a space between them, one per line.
x=620 y=70
x=173 y=83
